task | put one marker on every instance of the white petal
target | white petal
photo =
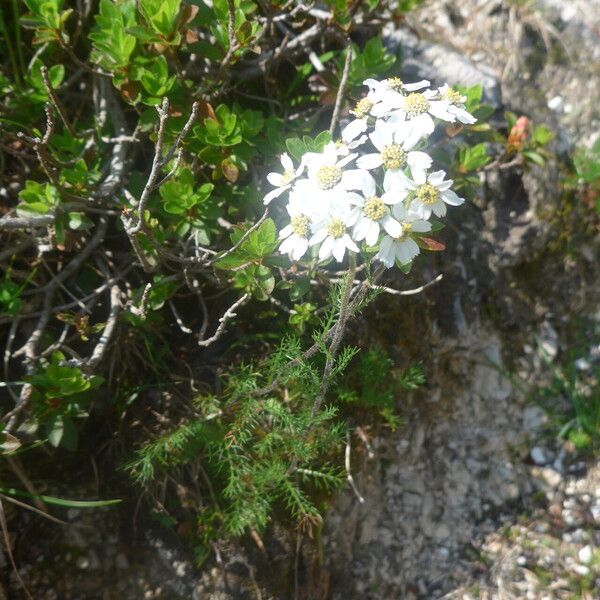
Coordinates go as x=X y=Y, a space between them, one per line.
x=326 y=248
x=286 y=246
x=380 y=110
x=436 y=177
x=300 y=249
x=394 y=196
x=339 y=249
x=330 y=154
x=421 y=226
x=418 y=85
x=450 y=197
x=372 y=234
x=387 y=252
x=318 y=237
x=462 y=115
x=369 y=161
x=347 y=241
x=419 y=175
x=361 y=229
x=286 y=231
x=423 y=211
x=392 y=99
x=439 y=109
x=396 y=180
x=418 y=160
x=372 y=83
x=286 y=162
x=391 y=226
x=354 y=129
x=439 y=209
x=399 y=212
x=275 y=179
x=413 y=247
x=358 y=179
x=382 y=135
x=274 y=194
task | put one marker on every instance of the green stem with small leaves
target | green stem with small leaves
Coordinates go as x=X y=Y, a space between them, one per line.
x=338 y=334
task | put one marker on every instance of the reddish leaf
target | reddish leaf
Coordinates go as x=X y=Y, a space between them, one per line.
x=206 y=111
x=188 y=12
x=191 y=37
x=431 y=244
x=230 y=171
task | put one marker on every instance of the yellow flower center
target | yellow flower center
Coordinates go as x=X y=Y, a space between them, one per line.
x=328 y=177
x=336 y=228
x=395 y=83
x=428 y=194
x=393 y=157
x=301 y=225
x=374 y=208
x=452 y=96
x=362 y=109
x=287 y=177
x=415 y=104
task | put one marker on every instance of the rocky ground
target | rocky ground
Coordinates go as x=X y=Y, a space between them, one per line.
x=473 y=497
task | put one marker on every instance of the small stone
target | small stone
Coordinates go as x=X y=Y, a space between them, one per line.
x=548 y=476
x=538 y=455
x=557 y=104
x=582 y=364
x=586 y=554
x=533 y=418
x=581 y=570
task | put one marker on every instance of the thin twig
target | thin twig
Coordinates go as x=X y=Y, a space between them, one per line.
x=109 y=329
x=163 y=113
x=56 y=102
x=349 y=477
x=342 y=89
x=227 y=315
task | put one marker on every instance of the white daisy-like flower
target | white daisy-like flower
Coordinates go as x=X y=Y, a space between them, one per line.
x=402 y=248
x=457 y=104
x=326 y=177
x=332 y=233
x=413 y=119
x=384 y=94
x=296 y=234
x=431 y=192
x=283 y=181
x=392 y=154
x=327 y=184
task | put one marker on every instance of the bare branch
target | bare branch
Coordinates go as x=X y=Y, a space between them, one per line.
x=109 y=329
x=26 y=222
x=227 y=315
x=56 y=102
x=349 y=477
x=342 y=89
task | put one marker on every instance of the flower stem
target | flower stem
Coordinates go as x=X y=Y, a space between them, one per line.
x=338 y=334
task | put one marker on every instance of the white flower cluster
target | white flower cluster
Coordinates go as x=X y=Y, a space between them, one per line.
x=374 y=187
